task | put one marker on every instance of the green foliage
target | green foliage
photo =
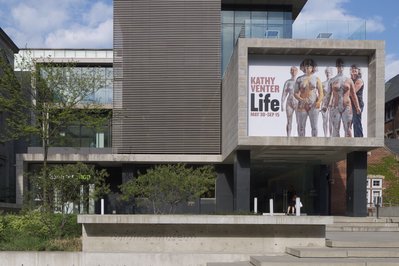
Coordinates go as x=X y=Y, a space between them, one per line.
x=37 y=231
x=65 y=185
x=13 y=103
x=165 y=186
x=44 y=97
x=388 y=167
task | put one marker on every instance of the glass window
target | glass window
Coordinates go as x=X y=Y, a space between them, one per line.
x=255 y=24
x=227 y=44
x=59 y=53
x=377 y=183
x=90 y=53
x=227 y=17
x=102 y=54
x=239 y=21
x=110 y=54
x=377 y=197
x=38 y=53
x=49 y=53
x=276 y=18
x=81 y=54
x=70 y=53
x=259 y=15
x=78 y=135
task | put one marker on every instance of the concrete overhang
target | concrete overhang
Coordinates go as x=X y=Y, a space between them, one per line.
x=271 y=149
x=105 y=157
x=78 y=61
x=297 y=5
x=313 y=150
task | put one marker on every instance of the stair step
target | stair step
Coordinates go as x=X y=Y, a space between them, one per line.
x=288 y=260
x=346 y=219
x=239 y=263
x=317 y=252
x=361 y=229
x=362 y=244
x=365 y=224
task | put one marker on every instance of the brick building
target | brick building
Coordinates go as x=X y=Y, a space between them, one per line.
x=391 y=132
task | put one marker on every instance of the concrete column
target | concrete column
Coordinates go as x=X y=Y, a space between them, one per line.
x=224 y=192
x=21 y=181
x=356 y=174
x=321 y=185
x=242 y=180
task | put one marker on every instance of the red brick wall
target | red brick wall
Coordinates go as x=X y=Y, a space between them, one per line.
x=338 y=188
x=338 y=176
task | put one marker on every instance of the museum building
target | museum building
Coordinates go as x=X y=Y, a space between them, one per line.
x=239 y=85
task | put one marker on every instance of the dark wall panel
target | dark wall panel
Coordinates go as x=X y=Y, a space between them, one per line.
x=167 y=96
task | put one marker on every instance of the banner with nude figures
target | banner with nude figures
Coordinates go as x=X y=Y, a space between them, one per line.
x=307 y=96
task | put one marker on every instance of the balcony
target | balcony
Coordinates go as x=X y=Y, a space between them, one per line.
x=288 y=29
x=339 y=30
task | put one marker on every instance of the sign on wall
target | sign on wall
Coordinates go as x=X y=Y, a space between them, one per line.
x=307 y=96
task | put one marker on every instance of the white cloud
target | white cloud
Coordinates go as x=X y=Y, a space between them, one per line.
x=330 y=16
x=375 y=24
x=59 y=24
x=391 y=66
x=82 y=37
x=36 y=19
x=98 y=12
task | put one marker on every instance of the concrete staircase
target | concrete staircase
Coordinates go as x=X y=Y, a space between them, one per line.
x=363 y=224
x=349 y=241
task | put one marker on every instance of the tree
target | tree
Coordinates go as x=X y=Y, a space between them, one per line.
x=43 y=98
x=389 y=168
x=13 y=104
x=71 y=183
x=165 y=186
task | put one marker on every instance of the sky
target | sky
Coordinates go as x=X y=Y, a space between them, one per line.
x=88 y=23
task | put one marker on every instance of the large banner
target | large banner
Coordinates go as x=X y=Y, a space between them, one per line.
x=307 y=96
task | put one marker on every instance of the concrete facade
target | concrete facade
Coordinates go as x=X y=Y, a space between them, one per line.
x=302 y=150
x=334 y=148
x=203 y=118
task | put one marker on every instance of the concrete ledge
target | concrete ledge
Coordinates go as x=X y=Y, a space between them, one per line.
x=114 y=259
x=240 y=234
x=204 y=219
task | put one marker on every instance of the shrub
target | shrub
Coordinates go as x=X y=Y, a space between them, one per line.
x=165 y=186
x=37 y=231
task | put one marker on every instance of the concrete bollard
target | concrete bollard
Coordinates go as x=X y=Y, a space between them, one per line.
x=102 y=206
x=255 y=205
x=271 y=207
x=298 y=206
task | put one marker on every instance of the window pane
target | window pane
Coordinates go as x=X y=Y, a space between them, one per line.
x=227 y=17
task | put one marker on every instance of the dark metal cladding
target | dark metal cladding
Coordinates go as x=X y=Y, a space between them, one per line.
x=167 y=95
